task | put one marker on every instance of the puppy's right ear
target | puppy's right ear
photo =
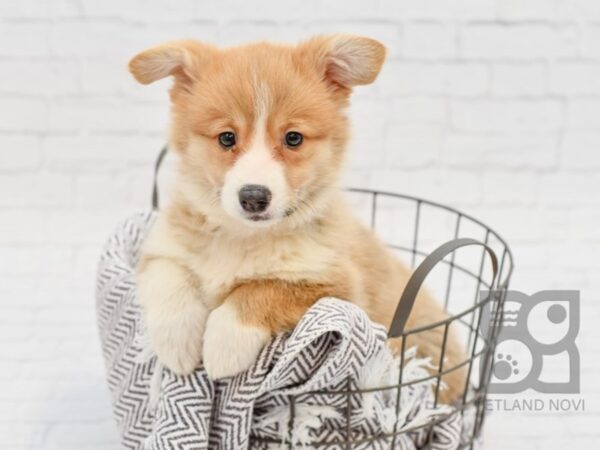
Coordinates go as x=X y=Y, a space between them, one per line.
x=182 y=59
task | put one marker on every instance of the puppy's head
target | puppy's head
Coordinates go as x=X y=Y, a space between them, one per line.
x=260 y=129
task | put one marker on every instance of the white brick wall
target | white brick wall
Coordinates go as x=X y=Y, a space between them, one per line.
x=489 y=105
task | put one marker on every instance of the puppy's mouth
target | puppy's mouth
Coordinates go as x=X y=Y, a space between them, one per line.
x=268 y=217
x=259 y=217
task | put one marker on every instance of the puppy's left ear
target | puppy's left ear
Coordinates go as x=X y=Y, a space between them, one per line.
x=182 y=59
x=344 y=60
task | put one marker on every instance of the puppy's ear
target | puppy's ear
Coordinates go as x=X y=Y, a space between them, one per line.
x=345 y=60
x=181 y=59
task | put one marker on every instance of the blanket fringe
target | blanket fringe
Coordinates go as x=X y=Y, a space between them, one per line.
x=383 y=369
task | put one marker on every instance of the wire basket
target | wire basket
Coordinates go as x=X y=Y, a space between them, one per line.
x=414 y=229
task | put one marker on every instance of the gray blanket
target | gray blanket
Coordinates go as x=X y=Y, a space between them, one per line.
x=334 y=348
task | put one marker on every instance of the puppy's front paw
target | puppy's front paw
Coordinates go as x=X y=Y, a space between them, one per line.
x=176 y=338
x=230 y=346
x=181 y=354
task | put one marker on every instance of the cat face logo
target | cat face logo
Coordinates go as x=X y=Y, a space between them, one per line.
x=536 y=343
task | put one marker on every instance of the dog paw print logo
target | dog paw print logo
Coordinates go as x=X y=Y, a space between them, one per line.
x=536 y=345
x=505 y=367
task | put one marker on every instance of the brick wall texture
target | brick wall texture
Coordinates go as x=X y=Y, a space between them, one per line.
x=491 y=106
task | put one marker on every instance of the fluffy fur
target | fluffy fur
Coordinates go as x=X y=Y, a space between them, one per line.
x=216 y=282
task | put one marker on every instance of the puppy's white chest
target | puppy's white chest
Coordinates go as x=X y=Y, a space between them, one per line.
x=223 y=262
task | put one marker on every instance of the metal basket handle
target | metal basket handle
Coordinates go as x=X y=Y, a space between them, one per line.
x=157 y=164
x=409 y=295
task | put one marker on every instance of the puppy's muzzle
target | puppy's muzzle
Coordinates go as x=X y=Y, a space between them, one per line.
x=254 y=198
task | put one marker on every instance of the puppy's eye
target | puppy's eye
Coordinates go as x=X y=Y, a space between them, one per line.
x=293 y=139
x=227 y=140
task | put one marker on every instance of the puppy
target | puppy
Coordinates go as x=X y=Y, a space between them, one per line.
x=258 y=229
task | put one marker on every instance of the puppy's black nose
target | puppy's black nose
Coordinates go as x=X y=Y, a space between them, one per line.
x=254 y=198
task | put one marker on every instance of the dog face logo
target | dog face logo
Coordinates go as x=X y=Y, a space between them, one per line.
x=536 y=343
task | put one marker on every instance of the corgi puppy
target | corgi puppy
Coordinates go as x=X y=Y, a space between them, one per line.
x=258 y=230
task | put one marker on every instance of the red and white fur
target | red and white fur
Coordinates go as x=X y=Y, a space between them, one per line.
x=217 y=281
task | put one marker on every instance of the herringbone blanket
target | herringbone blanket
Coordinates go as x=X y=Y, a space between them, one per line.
x=312 y=371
